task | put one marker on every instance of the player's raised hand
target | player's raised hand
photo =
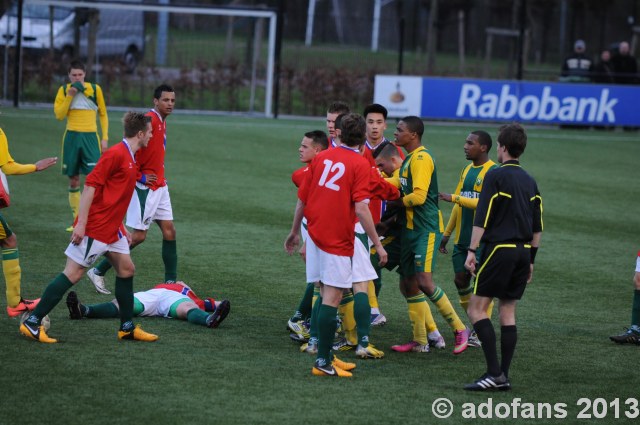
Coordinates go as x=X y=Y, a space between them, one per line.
x=45 y=163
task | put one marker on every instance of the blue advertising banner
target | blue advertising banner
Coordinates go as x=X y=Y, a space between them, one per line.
x=490 y=100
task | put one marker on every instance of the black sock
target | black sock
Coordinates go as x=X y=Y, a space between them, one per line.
x=487 y=335
x=508 y=342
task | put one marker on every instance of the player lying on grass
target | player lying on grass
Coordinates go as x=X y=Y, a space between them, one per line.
x=172 y=300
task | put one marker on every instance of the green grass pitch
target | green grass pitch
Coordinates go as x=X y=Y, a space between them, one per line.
x=233 y=202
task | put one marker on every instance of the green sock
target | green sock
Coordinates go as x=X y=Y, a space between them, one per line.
x=52 y=295
x=170 y=259
x=305 y=303
x=635 y=312
x=101 y=311
x=197 y=316
x=102 y=267
x=124 y=296
x=377 y=283
x=313 y=326
x=362 y=313
x=326 y=331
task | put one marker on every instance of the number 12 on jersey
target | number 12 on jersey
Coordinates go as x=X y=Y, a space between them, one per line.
x=336 y=170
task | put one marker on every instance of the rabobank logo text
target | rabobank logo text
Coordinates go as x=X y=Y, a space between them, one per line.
x=476 y=101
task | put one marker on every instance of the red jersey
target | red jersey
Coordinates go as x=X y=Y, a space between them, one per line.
x=207 y=304
x=337 y=178
x=114 y=178
x=298 y=176
x=151 y=159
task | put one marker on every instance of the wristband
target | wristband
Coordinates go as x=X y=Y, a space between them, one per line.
x=143 y=179
x=534 y=251
x=471 y=250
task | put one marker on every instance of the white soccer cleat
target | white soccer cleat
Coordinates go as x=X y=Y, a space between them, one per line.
x=98 y=282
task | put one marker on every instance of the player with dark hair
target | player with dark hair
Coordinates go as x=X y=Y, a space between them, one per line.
x=421 y=235
x=16 y=305
x=79 y=102
x=465 y=198
x=170 y=300
x=312 y=144
x=336 y=190
x=99 y=231
x=151 y=201
x=632 y=334
x=336 y=108
x=508 y=223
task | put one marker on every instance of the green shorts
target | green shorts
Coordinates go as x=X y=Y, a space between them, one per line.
x=391 y=244
x=80 y=152
x=418 y=251
x=5 y=230
x=460 y=256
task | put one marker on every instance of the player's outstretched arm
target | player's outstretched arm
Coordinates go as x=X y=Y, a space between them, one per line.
x=45 y=163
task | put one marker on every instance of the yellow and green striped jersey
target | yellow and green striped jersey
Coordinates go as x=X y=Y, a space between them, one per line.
x=81 y=109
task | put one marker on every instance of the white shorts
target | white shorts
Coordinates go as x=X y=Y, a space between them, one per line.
x=304 y=233
x=638 y=264
x=330 y=269
x=87 y=255
x=158 y=302
x=362 y=269
x=154 y=204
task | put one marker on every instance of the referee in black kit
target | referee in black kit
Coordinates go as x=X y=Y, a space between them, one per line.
x=508 y=222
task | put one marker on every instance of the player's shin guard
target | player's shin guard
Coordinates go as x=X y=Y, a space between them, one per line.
x=170 y=259
x=362 y=314
x=74 y=200
x=348 y=318
x=326 y=330
x=124 y=296
x=197 y=316
x=440 y=299
x=52 y=295
x=418 y=307
x=12 y=274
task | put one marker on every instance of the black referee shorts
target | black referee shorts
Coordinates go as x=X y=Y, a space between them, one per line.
x=504 y=272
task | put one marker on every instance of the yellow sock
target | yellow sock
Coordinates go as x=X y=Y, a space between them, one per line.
x=490 y=310
x=440 y=299
x=418 y=307
x=428 y=319
x=316 y=295
x=12 y=274
x=373 y=299
x=74 y=201
x=345 y=310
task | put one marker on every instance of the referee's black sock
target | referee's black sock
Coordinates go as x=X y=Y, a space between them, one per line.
x=508 y=340
x=487 y=335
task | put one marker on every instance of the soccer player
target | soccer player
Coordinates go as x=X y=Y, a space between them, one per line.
x=632 y=335
x=335 y=109
x=151 y=201
x=79 y=102
x=422 y=232
x=16 y=305
x=312 y=144
x=465 y=198
x=336 y=190
x=99 y=231
x=508 y=222
x=171 y=300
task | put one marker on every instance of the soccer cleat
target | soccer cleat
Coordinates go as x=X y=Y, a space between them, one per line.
x=343 y=344
x=310 y=347
x=299 y=329
x=38 y=333
x=490 y=383
x=74 y=306
x=462 y=341
x=22 y=307
x=437 y=342
x=343 y=365
x=330 y=370
x=369 y=352
x=219 y=314
x=98 y=282
x=411 y=346
x=631 y=336
x=378 y=319
x=474 y=341
x=137 y=334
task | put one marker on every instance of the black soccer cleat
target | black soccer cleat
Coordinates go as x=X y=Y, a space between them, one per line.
x=74 y=306
x=490 y=383
x=219 y=314
x=631 y=336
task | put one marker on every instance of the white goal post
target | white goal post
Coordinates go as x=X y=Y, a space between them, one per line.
x=212 y=11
